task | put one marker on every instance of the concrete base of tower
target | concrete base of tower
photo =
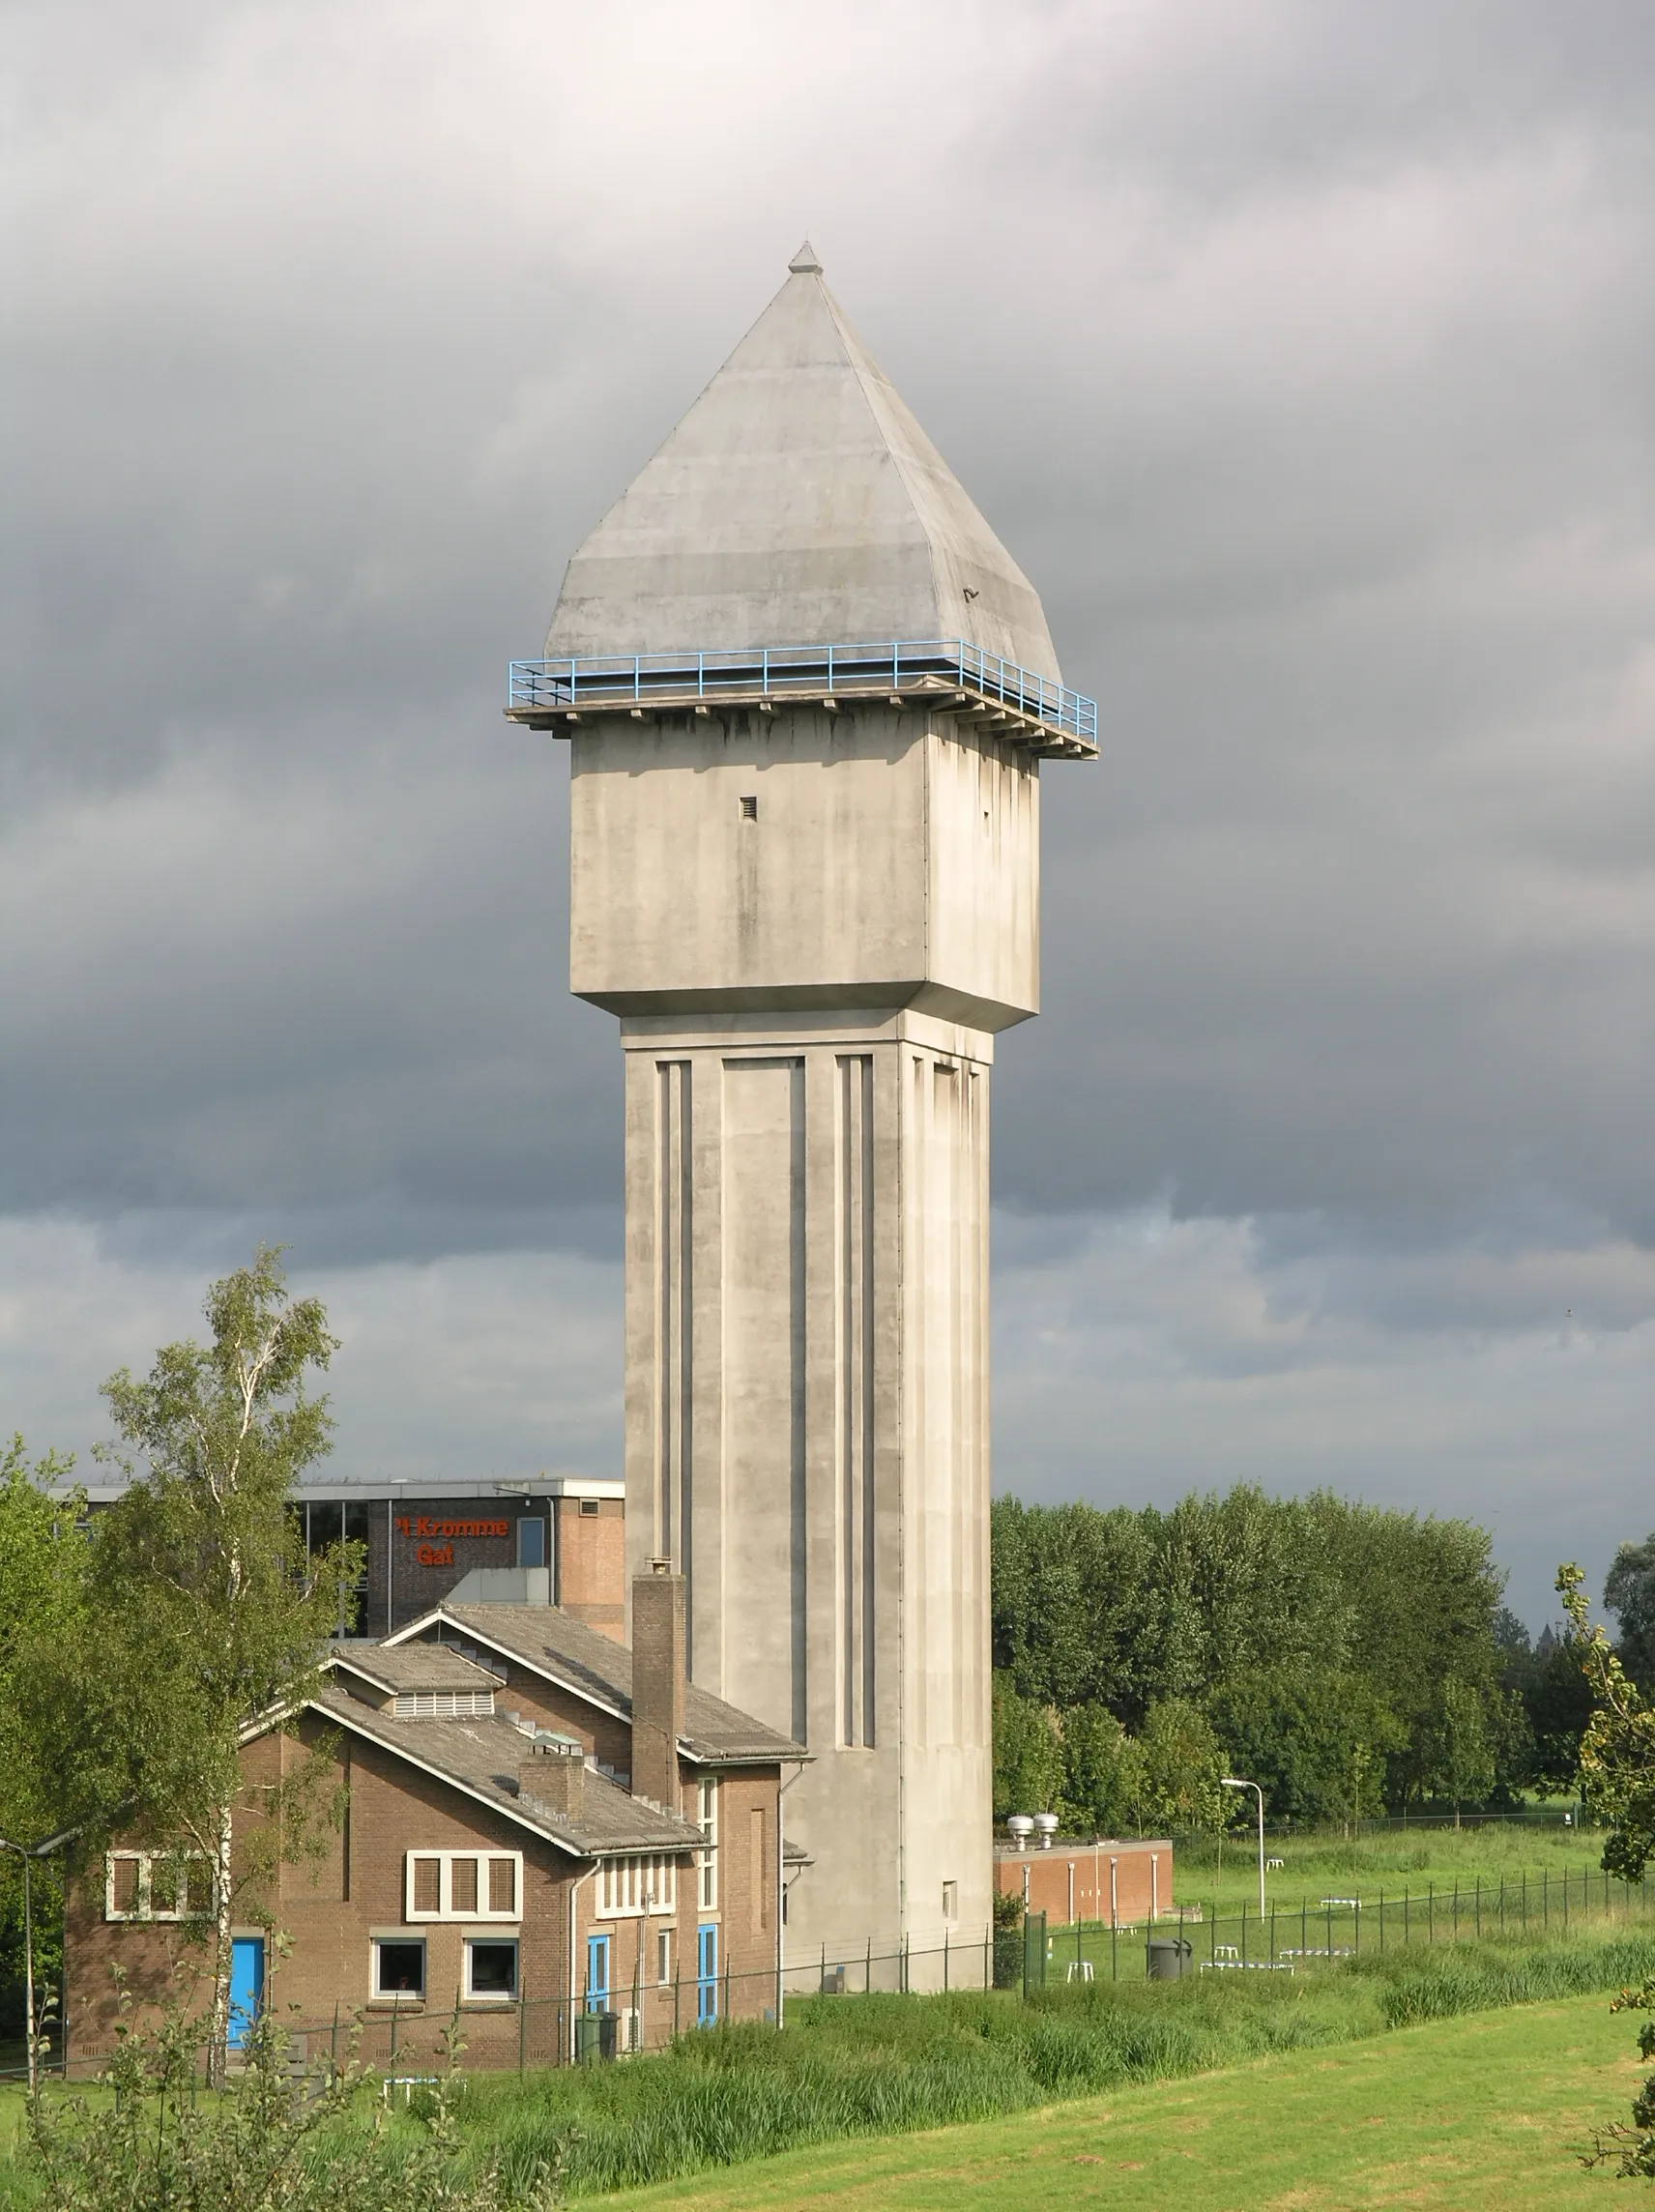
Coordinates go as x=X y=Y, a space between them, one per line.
x=807 y=1431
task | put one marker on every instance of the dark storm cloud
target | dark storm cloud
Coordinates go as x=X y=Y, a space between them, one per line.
x=1301 y=354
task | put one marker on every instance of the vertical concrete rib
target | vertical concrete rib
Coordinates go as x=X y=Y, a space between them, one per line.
x=675 y=1325
x=855 y=1453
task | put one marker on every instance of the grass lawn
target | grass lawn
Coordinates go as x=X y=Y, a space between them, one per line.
x=1485 y=2112
x=1391 y=1859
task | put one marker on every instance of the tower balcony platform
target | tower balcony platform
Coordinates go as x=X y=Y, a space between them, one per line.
x=945 y=674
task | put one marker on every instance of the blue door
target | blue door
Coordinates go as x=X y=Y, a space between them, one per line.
x=247 y=1986
x=598 y=1973
x=706 y=1975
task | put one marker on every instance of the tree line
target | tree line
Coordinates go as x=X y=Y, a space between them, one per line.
x=1353 y=1660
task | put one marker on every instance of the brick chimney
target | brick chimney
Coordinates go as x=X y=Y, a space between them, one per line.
x=658 y=1642
x=552 y=1772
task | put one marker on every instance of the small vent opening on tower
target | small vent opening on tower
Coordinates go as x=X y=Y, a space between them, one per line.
x=750 y=808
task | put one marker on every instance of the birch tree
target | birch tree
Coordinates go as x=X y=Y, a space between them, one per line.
x=211 y=1616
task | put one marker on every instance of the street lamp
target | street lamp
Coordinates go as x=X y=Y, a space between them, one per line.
x=1233 y=1782
x=28 y=1856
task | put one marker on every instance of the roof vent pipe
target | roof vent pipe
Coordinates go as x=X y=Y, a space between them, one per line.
x=1045 y=1827
x=1020 y=1827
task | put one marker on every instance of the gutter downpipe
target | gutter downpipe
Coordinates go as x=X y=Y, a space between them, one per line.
x=574 y=1891
x=781 y=1900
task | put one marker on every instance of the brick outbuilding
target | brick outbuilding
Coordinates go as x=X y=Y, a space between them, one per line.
x=537 y=1827
x=1119 y=1882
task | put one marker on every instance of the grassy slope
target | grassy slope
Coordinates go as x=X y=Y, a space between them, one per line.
x=885 y=2066
x=1484 y=2113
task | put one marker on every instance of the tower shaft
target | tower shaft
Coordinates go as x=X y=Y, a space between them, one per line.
x=825 y=919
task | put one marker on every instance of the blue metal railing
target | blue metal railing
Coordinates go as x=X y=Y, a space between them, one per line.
x=545 y=686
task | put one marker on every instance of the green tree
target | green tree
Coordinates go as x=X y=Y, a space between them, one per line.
x=1101 y=1771
x=1629 y=1593
x=44 y=1610
x=1460 y=1745
x=1182 y=1769
x=209 y=1615
x=1317 y=1741
x=1028 y=1753
x=1617 y=1752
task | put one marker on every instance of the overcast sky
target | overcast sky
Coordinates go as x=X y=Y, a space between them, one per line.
x=1303 y=354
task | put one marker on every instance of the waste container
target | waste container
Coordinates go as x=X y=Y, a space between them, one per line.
x=596 y=2036
x=1170 y=1958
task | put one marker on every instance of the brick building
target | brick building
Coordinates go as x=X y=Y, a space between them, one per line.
x=1118 y=1882
x=538 y=1824
x=548 y=1539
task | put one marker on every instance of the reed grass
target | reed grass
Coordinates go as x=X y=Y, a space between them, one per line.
x=888 y=2065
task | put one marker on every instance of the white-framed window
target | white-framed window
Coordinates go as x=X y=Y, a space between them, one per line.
x=463 y=1886
x=663 y=1955
x=628 y=1887
x=400 y=1967
x=157 y=1885
x=444 y=1705
x=491 y=1969
x=950 y=1901
x=707 y=1820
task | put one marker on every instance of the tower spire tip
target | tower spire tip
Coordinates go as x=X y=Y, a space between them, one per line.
x=804 y=262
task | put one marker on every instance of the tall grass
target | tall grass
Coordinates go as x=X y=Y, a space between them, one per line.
x=886 y=2065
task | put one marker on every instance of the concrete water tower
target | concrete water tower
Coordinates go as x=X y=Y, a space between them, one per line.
x=808 y=693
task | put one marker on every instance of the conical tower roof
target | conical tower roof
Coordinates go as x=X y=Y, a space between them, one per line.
x=797 y=503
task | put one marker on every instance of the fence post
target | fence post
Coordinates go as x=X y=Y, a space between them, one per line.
x=1114 y=1950
x=1404 y=1927
x=522 y=2023
x=1243 y=1931
x=333 y=2047
x=988 y=1957
x=394 y=2004
x=1430 y=1914
x=1565 y=1900
x=868 y=1970
x=1477 y=1908
x=945 y=1961
x=1545 y=1898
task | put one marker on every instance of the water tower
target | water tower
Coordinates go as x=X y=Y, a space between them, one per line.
x=808 y=694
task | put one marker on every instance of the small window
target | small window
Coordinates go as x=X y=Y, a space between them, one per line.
x=706 y=1808
x=459 y=1886
x=428 y=1885
x=663 y=1955
x=750 y=808
x=950 y=1901
x=532 y=1542
x=491 y=1971
x=156 y=1885
x=399 y=1969
x=589 y=1509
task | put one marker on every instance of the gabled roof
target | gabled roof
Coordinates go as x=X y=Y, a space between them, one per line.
x=480 y=1758
x=410 y=1666
x=797 y=503
x=594 y=1667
